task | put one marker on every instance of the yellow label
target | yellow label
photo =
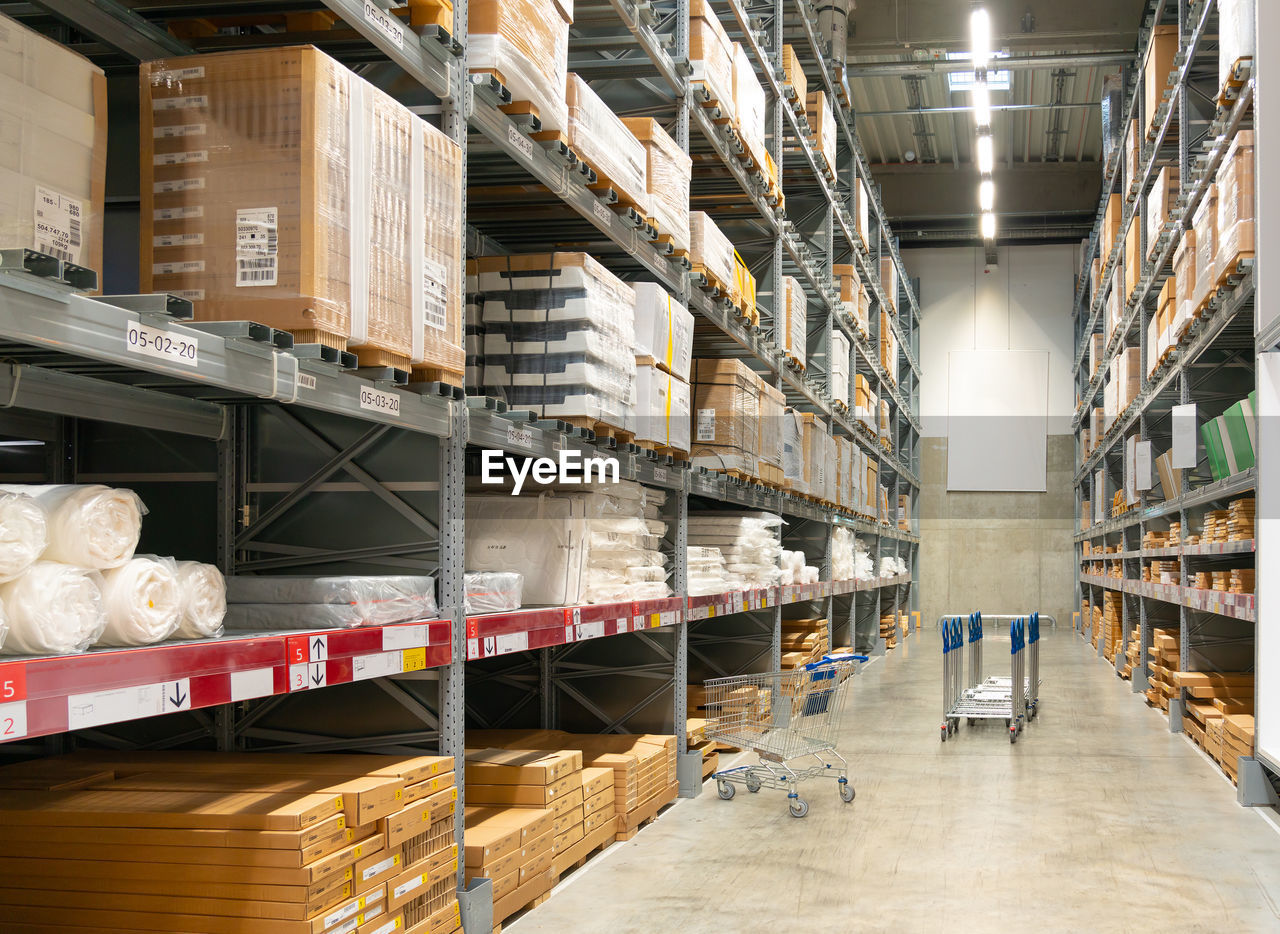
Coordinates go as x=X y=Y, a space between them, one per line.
x=337 y=802
x=655 y=620
x=342 y=821
x=764 y=601
x=399 y=794
x=711 y=610
x=454 y=796
x=346 y=873
x=363 y=901
x=415 y=659
x=351 y=835
x=359 y=851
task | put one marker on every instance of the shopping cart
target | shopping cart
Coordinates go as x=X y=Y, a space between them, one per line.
x=785 y=718
x=992 y=698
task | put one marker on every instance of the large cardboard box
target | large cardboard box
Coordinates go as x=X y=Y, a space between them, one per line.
x=1236 y=195
x=710 y=248
x=521 y=766
x=749 y=102
x=605 y=143
x=526 y=43
x=53 y=120
x=839 y=367
x=822 y=122
x=279 y=187
x=1206 y=246
x=1158 y=205
x=793 y=73
x=772 y=411
x=889 y=282
x=667 y=172
x=711 y=56
x=726 y=404
x=1156 y=67
x=793 y=324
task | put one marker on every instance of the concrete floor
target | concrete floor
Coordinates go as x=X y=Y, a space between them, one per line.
x=1098 y=819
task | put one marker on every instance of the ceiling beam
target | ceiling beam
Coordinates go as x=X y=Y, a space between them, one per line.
x=965 y=109
x=942 y=66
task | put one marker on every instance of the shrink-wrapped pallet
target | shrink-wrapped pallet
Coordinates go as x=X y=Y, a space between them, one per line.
x=1156 y=67
x=1236 y=191
x=559 y=331
x=839 y=367
x=862 y=212
x=667 y=172
x=854 y=301
x=793 y=323
x=793 y=73
x=664 y=329
x=726 y=411
x=1184 y=273
x=1205 y=223
x=710 y=248
x=822 y=122
x=662 y=408
x=773 y=407
x=53 y=120
x=889 y=282
x=279 y=187
x=711 y=56
x=748 y=103
x=525 y=43
x=603 y=141
x=1160 y=204
x=794 y=454
x=1237 y=36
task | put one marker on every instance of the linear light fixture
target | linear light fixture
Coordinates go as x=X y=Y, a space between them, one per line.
x=986 y=154
x=980 y=38
x=981 y=97
x=987 y=195
x=988 y=226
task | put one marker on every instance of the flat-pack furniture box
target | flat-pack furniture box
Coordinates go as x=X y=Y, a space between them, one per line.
x=726 y=412
x=606 y=143
x=526 y=44
x=668 y=169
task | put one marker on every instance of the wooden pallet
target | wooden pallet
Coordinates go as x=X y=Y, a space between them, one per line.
x=434 y=374
x=528 y=906
x=516 y=108
x=376 y=356
x=634 y=821
x=705 y=100
x=674 y=453
x=602 y=430
x=1236 y=79
x=588 y=847
x=1234 y=270
x=323 y=338
x=714 y=282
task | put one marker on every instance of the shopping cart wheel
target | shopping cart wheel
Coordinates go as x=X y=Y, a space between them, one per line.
x=944 y=732
x=799 y=807
x=725 y=789
x=1013 y=734
x=846 y=791
x=753 y=785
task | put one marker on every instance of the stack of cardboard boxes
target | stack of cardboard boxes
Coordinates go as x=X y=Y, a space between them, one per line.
x=663 y=357
x=889 y=630
x=232 y=844
x=1164 y=663
x=854 y=302
x=1211 y=696
x=804 y=641
x=1112 y=627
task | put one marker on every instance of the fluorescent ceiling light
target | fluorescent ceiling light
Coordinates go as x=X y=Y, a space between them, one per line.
x=988 y=226
x=981 y=98
x=986 y=155
x=980 y=36
x=987 y=195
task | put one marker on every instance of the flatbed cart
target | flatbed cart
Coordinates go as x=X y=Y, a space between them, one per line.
x=987 y=699
x=789 y=719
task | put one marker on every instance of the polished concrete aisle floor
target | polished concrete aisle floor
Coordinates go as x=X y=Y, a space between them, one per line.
x=1098 y=819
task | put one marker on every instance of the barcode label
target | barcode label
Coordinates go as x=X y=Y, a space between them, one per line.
x=176 y=269
x=181 y=129
x=187 y=102
x=179 y=184
x=57 y=225
x=257 y=245
x=174 y=214
x=191 y=295
x=435 y=295
x=181 y=158
x=170 y=75
x=186 y=239
x=706 y=424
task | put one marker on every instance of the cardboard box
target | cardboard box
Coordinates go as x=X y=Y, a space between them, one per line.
x=1159 y=203
x=534 y=795
x=520 y=766
x=538 y=863
x=596 y=780
x=749 y=102
x=710 y=248
x=486 y=842
x=822 y=122
x=1156 y=66
x=417 y=880
x=571 y=835
x=668 y=170
x=889 y=283
x=600 y=139
x=1236 y=196
x=530 y=822
x=726 y=430
x=711 y=56
x=526 y=42
x=793 y=73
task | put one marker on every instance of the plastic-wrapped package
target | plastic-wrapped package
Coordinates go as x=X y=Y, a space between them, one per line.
x=281 y=187
x=747 y=541
x=24 y=533
x=1237 y=35
x=842 y=554
x=793 y=323
x=711 y=55
x=663 y=330
x=53 y=119
x=1159 y=203
x=772 y=409
x=706 y=571
x=889 y=282
x=823 y=123
x=726 y=404
x=605 y=143
x=668 y=170
x=661 y=408
x=348 y=601
x=862 y=210
x=142 y=600
x=1236 y=191
x=809 y=574
x=710 y=248
x=793 y=452
x=793 y=72
x=1206 y=229
x=204 y=600
x=543 y=538
x=839 y=367
x=88 y=525
x=748 y=103
x=1184 y=271
x=53 y=609
x=553 y=313
x=492 y=591
x=888 y=347
x=1113 y=110
x=526 y=42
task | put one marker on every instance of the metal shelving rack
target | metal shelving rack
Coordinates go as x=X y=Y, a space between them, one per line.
x=1213 y=364
x=276 y=459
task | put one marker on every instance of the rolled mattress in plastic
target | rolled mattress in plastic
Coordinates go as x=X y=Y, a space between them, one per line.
x=24 y=532
x=492 y=591
x=53 y=609
x=90 y=525
x=143 y=602
x=204 y=600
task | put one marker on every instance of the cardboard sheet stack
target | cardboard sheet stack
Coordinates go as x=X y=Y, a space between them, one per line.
x=707 y=573
x=526 y=44
x=214 y=843
x=559 y=330
x=277 y=602
x=839 y=375
x=663 y=347
x=748 y=542
x=1210 y=697
x=1237 y=741
x=889 y=630
x=1241 y=515
x=771 y=438
x=804 y=641
x=1112 y=631
x=70 y=578
x=726 y=416
x=696 y=741
x=1163 y=659
x=279 y=187
x=54 y=121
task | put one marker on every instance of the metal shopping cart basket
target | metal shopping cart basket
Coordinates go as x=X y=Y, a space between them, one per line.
x=993 y=698
x=789 y=719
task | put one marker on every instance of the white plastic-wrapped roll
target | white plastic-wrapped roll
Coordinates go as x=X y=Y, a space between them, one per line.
x=24 y=533
x=53 y=609
x=90 y=525
x=204 y=600
x=143 y=602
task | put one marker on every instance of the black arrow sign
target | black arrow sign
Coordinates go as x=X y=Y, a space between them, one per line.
x=317 y=675
x=179 y=696
x=317 y=646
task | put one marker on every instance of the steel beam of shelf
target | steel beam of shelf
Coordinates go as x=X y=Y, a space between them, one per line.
x=117 y=26
x=423 y=59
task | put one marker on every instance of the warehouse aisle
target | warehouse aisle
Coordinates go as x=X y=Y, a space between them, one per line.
x=1074 y=828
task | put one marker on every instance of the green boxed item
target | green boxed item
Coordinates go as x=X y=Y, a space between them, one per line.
x=1212 y=431
x=1237 y=437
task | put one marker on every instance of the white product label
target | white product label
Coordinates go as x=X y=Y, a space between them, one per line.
x=179 y=184
x=378 y=665
x=380 y=400
x=13 y=721
x=174 y=214
x=181 y=158
x=256 y=682
x=384 y=22
x=706 y=424
x=435 y=295
x=179 y=129
x=187 y=102
x=177 y=269
x=599 y=210
x=57 y=225
x=588 y=630
x=257 y=245
x=143 y=700
x=378 y=868
x=520 y=141
x=186 y=239
x=659 y=475
x=520 y=437
x=403 y=637
x=404 y=888
x=306 y=381
x=513 y=642
x=161 y=344
x=171 y=75
x=387 y=928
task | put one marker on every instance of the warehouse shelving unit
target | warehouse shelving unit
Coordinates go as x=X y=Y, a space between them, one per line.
x=1213 y=364
x=260 y=456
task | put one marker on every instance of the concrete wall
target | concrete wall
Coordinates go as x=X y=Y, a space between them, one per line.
x=995 y=552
